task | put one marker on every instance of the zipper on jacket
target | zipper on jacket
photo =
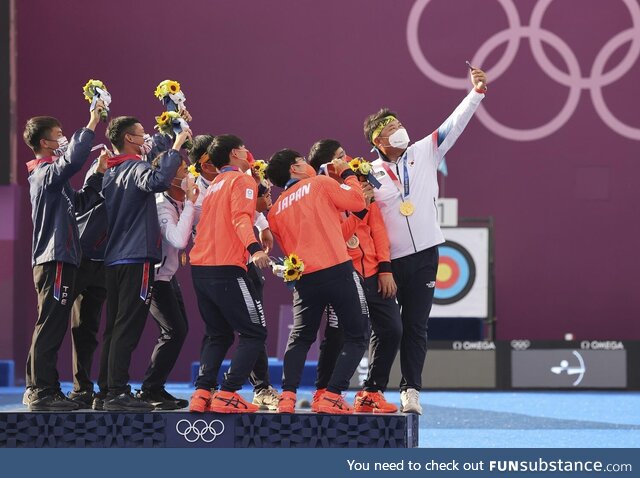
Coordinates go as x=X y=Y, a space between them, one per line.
x=407 y=217
x=362 y=258
x=411 y=235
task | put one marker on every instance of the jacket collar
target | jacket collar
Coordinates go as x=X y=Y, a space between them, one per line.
x=118 y=160
x=34 y=163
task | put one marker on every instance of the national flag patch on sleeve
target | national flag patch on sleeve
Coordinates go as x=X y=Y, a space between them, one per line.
x=249 y=193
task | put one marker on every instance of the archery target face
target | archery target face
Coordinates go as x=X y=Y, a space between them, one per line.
x=456 y=273
x=462 y=281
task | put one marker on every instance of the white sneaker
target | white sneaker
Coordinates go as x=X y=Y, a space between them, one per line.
x=26 y=396
x=267 y=398
x=410 y=401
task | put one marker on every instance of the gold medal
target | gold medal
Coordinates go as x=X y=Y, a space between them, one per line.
x=183 y=258
x=407 y=208
x=353 y=242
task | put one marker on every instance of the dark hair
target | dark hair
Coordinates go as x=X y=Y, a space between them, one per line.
x=278 y=169
x=322 y=152
x=118 y=127
x=37 y=128
x=371 y=122
x=200 y=145
x=220 y=149
x=155 y=163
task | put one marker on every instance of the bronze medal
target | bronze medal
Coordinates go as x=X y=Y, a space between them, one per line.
x=353 y=242
x=183 y=258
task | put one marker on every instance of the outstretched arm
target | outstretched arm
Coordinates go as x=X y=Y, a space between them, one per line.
x=449 y=131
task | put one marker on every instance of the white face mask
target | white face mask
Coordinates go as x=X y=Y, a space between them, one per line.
x=399 y=139
x=63 y=145
x=183 y=183
x=145 y=148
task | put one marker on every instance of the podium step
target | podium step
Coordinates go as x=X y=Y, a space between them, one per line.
x=178 y=429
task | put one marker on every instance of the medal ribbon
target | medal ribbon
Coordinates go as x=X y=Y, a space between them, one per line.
x=229 y=168
x=396 y=182
x=290 y=183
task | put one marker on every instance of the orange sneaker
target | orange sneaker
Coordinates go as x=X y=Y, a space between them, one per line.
x=372 y=402
x=200 y=400
x=316 y=398
x=231 y=402
x=333 y=403
x=287 y=402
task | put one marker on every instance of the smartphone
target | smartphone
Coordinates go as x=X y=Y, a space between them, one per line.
x=469 y=65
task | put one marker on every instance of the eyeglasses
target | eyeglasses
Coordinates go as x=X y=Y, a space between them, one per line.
x=391 y=128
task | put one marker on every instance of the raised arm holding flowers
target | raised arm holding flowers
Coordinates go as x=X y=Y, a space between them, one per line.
x=176 y=117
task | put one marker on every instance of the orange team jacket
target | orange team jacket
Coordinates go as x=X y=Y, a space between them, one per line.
x=372 y=254
x=224 y=235
x=306 y=220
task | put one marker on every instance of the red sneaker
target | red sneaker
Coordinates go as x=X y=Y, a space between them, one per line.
x=372 y=402
x=316 y=398
x=333 y=403
x=231 y=402
x=200 y=400
x=287 y=403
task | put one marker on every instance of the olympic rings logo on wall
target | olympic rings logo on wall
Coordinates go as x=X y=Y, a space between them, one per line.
x=597 y=79
x=520 y=344
x=200 y=430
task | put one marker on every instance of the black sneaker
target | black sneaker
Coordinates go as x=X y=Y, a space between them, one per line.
x=126 y=402
x=161 y=399
x=84 y=398
x=51 y=401
x=98 y=401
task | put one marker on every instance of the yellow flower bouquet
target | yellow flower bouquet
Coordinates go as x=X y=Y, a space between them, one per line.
x=293 y=268
x=165 y=122
x=290 y=268
x=172 y=121
x=94 y=91
x=259 y=167
x=363 y=169
x=192 y=171
x=166 y=88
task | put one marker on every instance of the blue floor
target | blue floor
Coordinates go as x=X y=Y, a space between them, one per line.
x=498 y=419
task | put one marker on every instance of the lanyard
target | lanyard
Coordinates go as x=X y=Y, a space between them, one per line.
x=203 y=182
x=229 y=168
x=173 y=203
x=396 y=182
x=290 y=183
